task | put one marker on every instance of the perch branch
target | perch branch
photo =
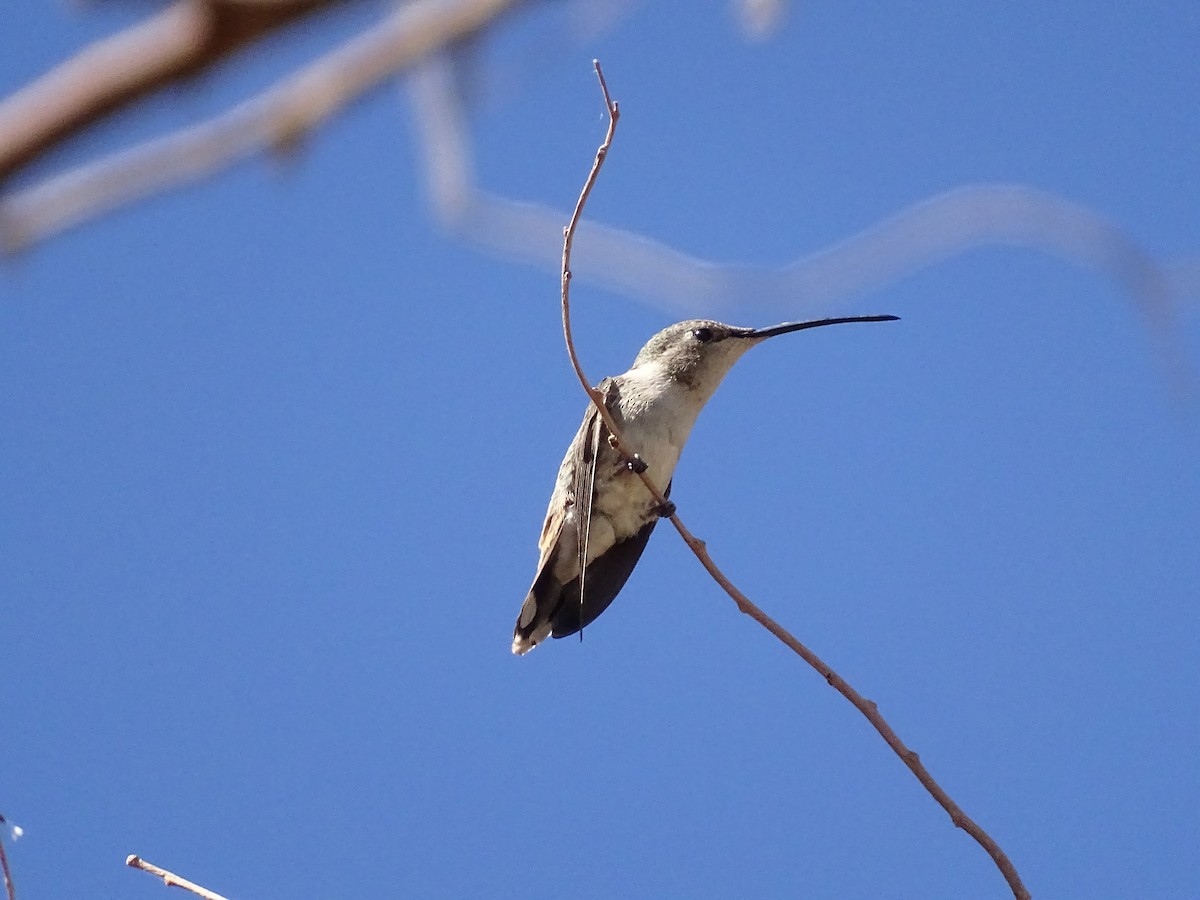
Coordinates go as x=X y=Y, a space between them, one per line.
x=867 y=707
x=614 y=113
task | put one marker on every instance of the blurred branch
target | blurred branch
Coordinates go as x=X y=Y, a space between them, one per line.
x=867 y=707
x=920 y=235
x=170 y=879
x=275 y=119
x=192 y=35
x=183 y=40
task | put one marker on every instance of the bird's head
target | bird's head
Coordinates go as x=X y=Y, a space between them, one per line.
x=699 y=353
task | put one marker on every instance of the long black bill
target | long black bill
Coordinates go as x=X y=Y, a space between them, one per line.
x=815 y=323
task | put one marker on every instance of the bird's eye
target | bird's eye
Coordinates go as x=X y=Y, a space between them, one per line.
x=703 y=335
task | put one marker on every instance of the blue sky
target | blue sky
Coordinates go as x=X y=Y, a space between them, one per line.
x=276 y=452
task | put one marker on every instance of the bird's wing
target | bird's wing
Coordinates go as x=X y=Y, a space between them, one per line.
x=565 y=528
x=571 y=502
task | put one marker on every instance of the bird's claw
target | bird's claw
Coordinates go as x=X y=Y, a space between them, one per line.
x=636 y=464
x=665 y=510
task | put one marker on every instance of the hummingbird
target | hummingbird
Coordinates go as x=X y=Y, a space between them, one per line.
x=599 y=501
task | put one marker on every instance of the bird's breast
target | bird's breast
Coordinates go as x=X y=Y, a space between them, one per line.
x=658 y=416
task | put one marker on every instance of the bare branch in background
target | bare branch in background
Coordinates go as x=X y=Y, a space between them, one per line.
x=818 y=283
x=867 y=707
x=276 y=118
x=170 y=879
x=760 y=18
x=192 y=35
x=10 y=890
x=183 y=40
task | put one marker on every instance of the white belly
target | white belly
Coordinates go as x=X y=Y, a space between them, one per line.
x=656 y=431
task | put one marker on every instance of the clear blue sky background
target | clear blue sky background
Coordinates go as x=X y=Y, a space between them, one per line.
x=276 y=452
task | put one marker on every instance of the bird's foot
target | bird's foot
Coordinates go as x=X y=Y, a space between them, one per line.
x=635 y=464
x=665 y=510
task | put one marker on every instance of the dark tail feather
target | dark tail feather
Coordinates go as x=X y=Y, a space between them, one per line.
x=533 y=623
x=606 y=575
x=554 y=609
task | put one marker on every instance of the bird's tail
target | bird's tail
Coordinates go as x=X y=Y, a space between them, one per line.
x=534 y=623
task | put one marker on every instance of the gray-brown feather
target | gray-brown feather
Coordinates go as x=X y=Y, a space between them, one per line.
x=553 y=604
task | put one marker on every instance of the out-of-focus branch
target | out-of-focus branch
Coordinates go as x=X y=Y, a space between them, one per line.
x=276 y=118
x=179 y=42
x=170 y=879
x=819 y=283
x=182 y=40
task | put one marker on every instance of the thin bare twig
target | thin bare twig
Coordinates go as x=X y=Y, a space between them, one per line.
x=170 y=879
x=614 y=113
x=867 y=707
x=9 y=888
